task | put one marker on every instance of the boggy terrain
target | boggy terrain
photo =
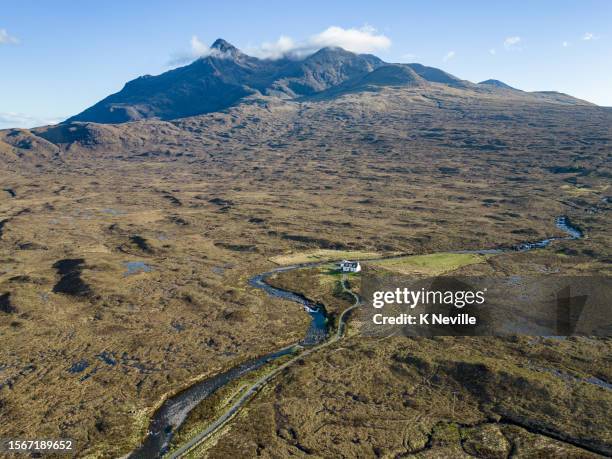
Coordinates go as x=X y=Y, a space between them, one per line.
x=395 y=396
x=126 y=251
x=437 y=398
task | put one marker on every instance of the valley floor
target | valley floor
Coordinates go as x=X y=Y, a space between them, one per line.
x=124 y=276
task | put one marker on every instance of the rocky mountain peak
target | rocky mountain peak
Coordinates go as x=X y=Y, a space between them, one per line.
x=223 y=46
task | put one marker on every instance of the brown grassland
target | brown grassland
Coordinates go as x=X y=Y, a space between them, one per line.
x=88 y=351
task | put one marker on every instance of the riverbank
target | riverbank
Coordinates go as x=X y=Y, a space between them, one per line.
x=201 y=391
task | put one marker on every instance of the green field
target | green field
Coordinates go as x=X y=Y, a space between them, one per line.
x=433 y=264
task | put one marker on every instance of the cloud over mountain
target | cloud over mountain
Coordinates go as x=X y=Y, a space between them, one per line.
x=364 y=39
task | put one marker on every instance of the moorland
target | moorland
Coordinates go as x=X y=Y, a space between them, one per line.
x=126 y=251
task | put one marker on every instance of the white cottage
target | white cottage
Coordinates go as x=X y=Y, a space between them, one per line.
x=347 y=266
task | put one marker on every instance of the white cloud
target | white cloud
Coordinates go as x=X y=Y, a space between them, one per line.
x=492 y=52
x=512 y=43
x=448 y=56
x=274 y=50
x=20 y=120
x=565 y=44
x=6 y=39
x=365 y=39
x=198 y=49
x=588 y=36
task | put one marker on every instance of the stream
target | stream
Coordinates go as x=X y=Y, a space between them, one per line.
x=173 y=412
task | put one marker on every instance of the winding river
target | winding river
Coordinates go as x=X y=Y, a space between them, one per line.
x=173 y=412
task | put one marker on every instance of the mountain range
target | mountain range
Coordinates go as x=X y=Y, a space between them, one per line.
x=227 y=76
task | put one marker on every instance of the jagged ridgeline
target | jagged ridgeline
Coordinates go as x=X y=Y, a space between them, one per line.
x=227 y=76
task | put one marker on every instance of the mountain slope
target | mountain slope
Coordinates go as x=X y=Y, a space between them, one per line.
x=385 y=75
x=227 y=76
x=208 y=84
x=324 y=69
x=496 y=84
x=435 y=75
x=221 y=79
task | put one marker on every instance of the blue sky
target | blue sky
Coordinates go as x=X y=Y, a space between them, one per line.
x=57 y=58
